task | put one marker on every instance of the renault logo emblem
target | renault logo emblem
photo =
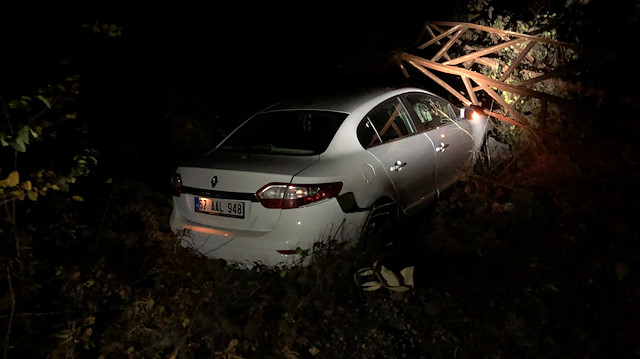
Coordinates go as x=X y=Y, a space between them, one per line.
x=214 y=181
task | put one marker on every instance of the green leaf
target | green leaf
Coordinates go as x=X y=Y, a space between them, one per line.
x=23 y=135
x=95 y=28
x=27 y=185
x=371 y=286
x=77 y=198
x=407 y=275
x=33 y=195
x=17 y=104
x=45 y=101
x=18 y=145
x=13 y=179
x=389 y=276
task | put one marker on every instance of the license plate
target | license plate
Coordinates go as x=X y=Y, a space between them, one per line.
x=219 y=207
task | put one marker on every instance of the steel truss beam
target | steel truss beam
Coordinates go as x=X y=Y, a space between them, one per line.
x=448 y=37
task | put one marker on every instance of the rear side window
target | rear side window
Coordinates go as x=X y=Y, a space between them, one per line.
x=387 y=122
x=286 y=133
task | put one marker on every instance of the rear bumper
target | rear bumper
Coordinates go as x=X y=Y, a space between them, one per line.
x=297 y=228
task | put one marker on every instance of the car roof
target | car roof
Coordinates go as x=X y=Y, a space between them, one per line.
x=341 y=100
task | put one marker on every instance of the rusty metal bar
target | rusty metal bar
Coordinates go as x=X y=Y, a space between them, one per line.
x=461 y=66
x=507 y=33
x=486 y=62
x=511 y=121
x=430 y=31
x=402 y=68
x=517 y=61
x=437 y=41
x=540 y=78
x=442 y=83
x=504 y=104
x=443 y=30
x=447 y=46
x=439 y=37
x=479 y=78
x=481 y=53
x=472 y=94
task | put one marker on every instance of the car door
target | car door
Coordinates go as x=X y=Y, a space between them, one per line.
x=451 y=137
x=389 y=134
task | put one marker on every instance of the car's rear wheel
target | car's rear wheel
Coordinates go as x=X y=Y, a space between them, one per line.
x=383 y=217
x=383 y=235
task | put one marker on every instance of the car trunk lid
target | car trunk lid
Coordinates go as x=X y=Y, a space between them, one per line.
x=219 y=189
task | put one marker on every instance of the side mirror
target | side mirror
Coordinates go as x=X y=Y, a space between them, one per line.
x=471 y=112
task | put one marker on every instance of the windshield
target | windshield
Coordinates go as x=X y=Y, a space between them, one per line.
x=286 y=133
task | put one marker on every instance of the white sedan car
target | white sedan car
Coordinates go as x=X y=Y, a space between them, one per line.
x=317 y=169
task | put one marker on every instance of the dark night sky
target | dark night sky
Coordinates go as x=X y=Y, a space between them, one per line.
x=201 y=48
x=234 y=59
x=195 y=48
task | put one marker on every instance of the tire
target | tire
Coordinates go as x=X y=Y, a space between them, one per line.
x=385 y=239
x=383 y=217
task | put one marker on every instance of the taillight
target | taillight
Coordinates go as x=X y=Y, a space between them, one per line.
x=176 y=185
x=285 y=195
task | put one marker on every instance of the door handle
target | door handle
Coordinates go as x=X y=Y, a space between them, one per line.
x=442 y=147
x=398 y=166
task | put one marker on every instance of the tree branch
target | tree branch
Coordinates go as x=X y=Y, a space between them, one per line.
x=13 y=308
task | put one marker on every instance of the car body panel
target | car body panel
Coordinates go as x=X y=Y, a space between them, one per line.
x=239 y=177
x=259 y=163
x=299 y=228
x=453 y=142
x=414 y=179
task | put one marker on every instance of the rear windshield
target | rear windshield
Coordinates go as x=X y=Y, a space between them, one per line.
x=286 y=133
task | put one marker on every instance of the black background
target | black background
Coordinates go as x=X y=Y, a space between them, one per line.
x=227 y=60
x=195 y=48
x=230 y=59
